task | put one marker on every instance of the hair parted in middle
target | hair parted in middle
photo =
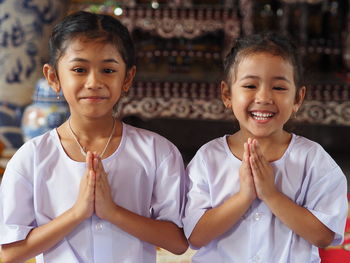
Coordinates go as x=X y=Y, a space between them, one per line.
x=267 y=42
x=91 y=26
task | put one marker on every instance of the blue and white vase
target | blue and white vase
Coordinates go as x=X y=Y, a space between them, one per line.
x=48 y=111
x=10 y=131
x=25 y=26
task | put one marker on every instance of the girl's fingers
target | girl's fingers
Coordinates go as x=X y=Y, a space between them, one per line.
x=263 y=163
x=101 y=189
x=255 y=164
x=95 y=161
x=102 y=183
x=245 y=153
x=97 y=176
x=88 y=159
x=100 y=172
x=252 y=148
x=102 y=179
x=91 y=181
x=258 y=151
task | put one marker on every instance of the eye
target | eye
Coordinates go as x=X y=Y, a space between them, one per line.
x=108 y=70
x=249 y=86
x=79 y=70
x=279 y=88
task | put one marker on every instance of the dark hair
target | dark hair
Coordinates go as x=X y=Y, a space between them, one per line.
x=92 y=26
x=268 y=42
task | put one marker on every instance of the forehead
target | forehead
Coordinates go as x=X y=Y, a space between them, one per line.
x=264 y=64
x=84 y=47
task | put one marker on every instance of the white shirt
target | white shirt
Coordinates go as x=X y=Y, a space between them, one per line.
x=41 y=182
x=305 y=173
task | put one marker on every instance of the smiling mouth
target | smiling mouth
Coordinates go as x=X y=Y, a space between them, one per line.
x=94 y=98
x=262 y=116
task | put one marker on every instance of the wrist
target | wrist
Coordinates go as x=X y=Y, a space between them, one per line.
x=110 y=214
x=245 y=198
x=271 y=197
x=76 y=215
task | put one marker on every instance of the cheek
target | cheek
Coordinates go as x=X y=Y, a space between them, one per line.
x=239 y=100
x=285 y=100
x=288 y=105
x=240 y=106
x=66 y=79
x=116 y=81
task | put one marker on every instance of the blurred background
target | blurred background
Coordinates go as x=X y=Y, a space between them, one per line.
x=180 y=45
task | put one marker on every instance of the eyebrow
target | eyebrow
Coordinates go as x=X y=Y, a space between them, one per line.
x=109 y=60
x=282 y=78
x=256 y=77
x=249 y=77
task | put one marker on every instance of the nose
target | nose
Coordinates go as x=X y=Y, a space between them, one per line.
x=93 y=81
x=263 y=95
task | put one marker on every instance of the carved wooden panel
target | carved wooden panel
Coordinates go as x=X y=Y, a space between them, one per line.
x=180 y=45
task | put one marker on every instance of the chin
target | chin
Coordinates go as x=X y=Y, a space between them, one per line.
x=261 y=133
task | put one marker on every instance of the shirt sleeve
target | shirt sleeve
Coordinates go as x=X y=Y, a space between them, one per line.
x=198 y=195
x=16 y=203
x=327 y=200
x=168 y=193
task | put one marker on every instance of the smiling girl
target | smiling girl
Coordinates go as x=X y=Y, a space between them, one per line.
x=263 y=194
x=94 y=189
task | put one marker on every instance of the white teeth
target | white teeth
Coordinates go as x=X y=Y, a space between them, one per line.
x=262 y=115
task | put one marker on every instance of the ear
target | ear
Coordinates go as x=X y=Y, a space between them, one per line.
x=129 y=78
x=225 y=94
x=51 y=77
x=299 y=98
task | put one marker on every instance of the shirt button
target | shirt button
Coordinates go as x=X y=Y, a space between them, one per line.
x=99 y=226
x=257 y=216
x=14 y=227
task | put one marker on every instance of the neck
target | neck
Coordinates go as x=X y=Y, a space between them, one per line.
x=273 y=147
x=90 y=129
x=84 y=147
x=265 y=141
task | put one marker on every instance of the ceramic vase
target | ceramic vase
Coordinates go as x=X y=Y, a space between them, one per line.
x=25 y=26
x=48 y=111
